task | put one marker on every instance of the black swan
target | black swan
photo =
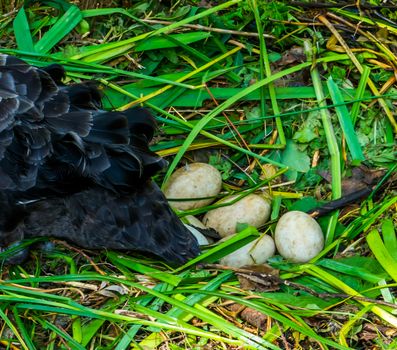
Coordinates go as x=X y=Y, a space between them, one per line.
x=73 y=171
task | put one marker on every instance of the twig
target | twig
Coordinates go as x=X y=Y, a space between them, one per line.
x=92 y=263
x=341 y=5
x=210 y=29
x=8 y=14
x=247 y=271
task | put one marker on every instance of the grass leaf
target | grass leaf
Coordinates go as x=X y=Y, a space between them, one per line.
x=22 y=32
x=147 y=270
x=69 y=20
x=382 y=254
x=390 y=237
x=345 y=122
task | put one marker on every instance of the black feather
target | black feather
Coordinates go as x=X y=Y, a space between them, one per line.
x=83 y=174
x=85 y=96
x=95 y=219
x=56 y=72
x=78 y=122
x=109 y=127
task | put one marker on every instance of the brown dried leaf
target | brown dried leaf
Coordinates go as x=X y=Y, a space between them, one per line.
x=294 y=55
x=362 y=177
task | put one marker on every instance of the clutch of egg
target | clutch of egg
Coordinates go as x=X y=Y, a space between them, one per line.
x=298 y=237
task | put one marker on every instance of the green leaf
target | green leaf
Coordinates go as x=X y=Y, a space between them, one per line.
x=305 y=204
x=13 y=329
x=359 y=95
x=382 y=254
x=103 y=52
x=62 y=334
x=302 y=301
x=22 y=32
x=355 y=267
x=295 y=160
x=345 y=121
x=218 y=252
x=389 y=237
x=132 y=264
x=197 y=129
x=70 y=19
x=155 y=43
x=307 y=130
x=305 y=135
x=61 y=5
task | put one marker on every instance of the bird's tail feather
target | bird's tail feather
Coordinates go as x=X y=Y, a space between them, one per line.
x=96 y=219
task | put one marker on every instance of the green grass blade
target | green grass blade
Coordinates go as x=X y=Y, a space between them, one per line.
x=146 y=270
x=265 y=68
x=104 y=52
x=382 y=254
x=107 y=52
x=206 y=119
x=192 y=300
x=14 y=330
x=345 y=122
x=349 y=325
x=61 y=333
x=336 y=177
x=76 y=329
x=262 y=57
x=337 y=283
x=389 y=237
x=224 y=248
x=155 y=305
x=90 y=329
x=360 y=92
x=24 y=333
x=351 y=270
x=198 y=297
x=70 y=19
x=104 y=12
x=156 y=43
x=328 y=128
x=22 y=32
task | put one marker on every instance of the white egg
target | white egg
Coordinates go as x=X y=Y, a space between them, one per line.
x=196 y=223
x=255 y=252
x=192 y=220
x=298 y=237
x=195 y=180
x=253 y=210
x=201 y=239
